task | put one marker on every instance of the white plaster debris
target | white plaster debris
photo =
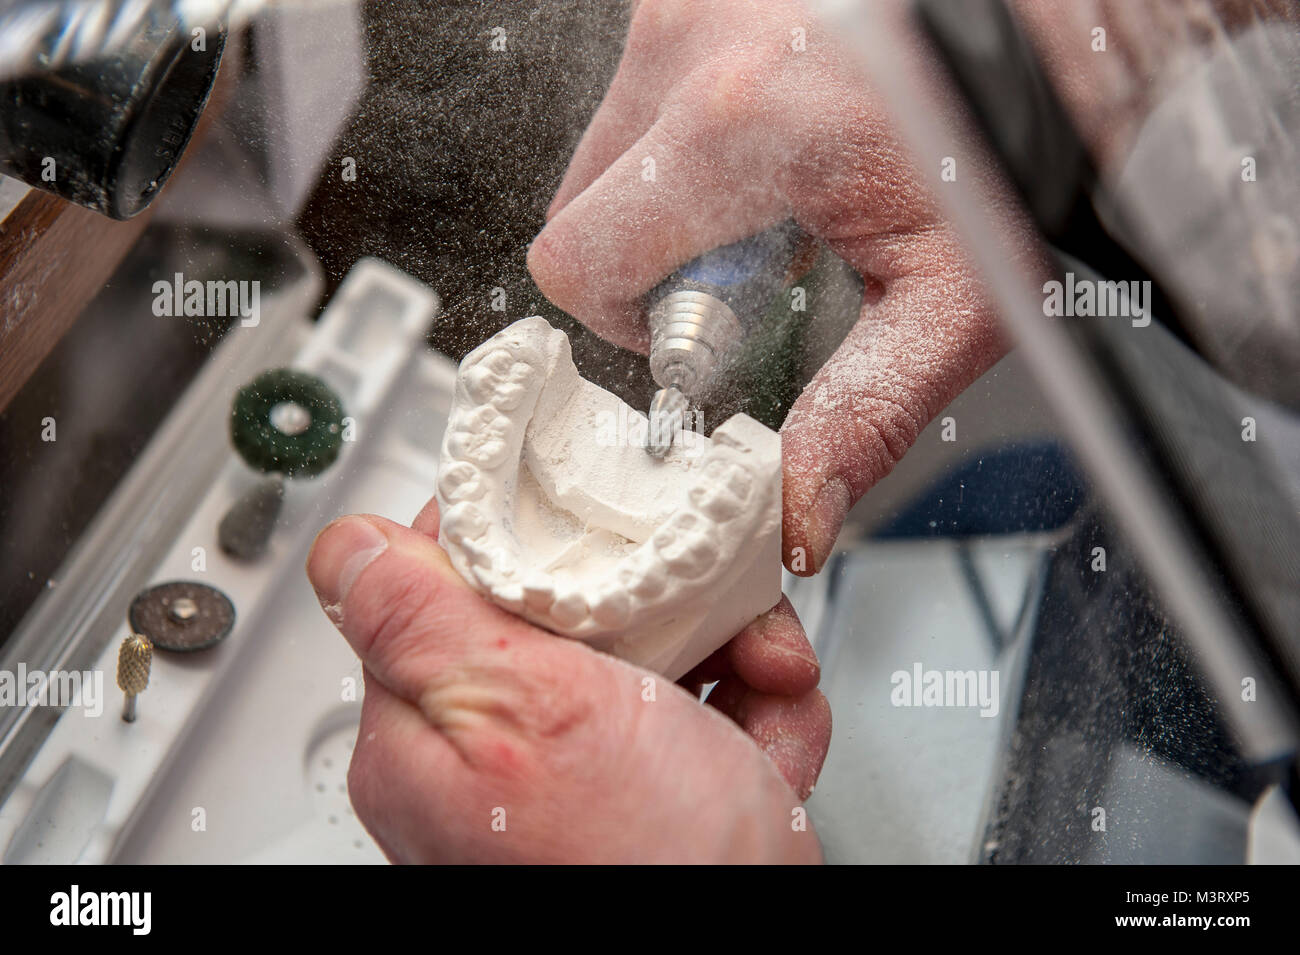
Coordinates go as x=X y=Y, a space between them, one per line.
x=657 y=561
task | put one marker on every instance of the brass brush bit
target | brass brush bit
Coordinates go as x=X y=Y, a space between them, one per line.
x=133 y=660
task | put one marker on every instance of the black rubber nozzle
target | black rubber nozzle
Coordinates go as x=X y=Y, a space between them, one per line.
x=106 y=133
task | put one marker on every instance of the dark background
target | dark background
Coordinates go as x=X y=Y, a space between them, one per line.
x=462 y=148
x=459 y=150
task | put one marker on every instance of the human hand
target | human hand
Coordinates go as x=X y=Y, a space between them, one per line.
x=716 y=127
x=473 y=717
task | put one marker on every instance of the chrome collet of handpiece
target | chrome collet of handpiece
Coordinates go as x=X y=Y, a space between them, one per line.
x=700 y=315
x=691 y=334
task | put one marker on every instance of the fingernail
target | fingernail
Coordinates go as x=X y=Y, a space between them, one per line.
x=779 y=629
x=786 y=650
x=814 y=668
x=830 y=508
x=342 y=551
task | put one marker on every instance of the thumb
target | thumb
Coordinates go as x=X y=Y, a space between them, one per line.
x=404 y=609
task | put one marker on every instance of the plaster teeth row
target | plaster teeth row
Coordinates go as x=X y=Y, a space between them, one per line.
x=464 y=523
x=496 y=378
x=499 y=380
x=501 y=383
x=723 y=490
x=643 y=575
x=460 y=481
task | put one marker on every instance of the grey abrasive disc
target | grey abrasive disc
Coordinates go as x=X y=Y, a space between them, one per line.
x=182 y=615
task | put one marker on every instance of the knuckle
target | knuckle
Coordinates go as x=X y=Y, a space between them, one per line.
x=396 y=610
x=866 y=433
x=538 y=702
x=884 y=429
x=736 y=90
x=655 y=20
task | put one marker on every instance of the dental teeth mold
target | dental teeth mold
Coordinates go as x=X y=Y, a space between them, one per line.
x=551 y=511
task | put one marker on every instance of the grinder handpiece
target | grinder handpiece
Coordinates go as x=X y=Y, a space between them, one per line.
x=701 y=313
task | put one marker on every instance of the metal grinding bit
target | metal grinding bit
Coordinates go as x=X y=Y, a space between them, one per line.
x=133 y=660
x=702 y=313
x=182 y=615
x=667 y=417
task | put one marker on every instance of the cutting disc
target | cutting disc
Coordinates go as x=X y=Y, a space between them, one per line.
x=182 y=615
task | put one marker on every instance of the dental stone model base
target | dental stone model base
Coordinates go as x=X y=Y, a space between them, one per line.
x=550 y=510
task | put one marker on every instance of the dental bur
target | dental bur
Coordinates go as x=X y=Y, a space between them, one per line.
x=701 y=314
x=134 y=658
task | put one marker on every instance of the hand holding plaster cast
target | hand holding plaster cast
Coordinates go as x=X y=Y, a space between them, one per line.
x=659 y=562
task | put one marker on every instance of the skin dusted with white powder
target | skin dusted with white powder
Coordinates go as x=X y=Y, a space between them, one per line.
x=549 y=514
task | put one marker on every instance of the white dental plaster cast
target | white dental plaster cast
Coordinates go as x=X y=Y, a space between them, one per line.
x=551 y=512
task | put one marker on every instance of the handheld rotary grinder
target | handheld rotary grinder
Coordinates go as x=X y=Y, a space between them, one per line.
x=702 y=313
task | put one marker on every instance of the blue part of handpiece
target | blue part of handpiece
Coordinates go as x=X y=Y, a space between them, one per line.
x=745 y=275
x=756 y=258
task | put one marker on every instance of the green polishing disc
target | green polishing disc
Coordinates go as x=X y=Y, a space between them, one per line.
x=288 y=422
